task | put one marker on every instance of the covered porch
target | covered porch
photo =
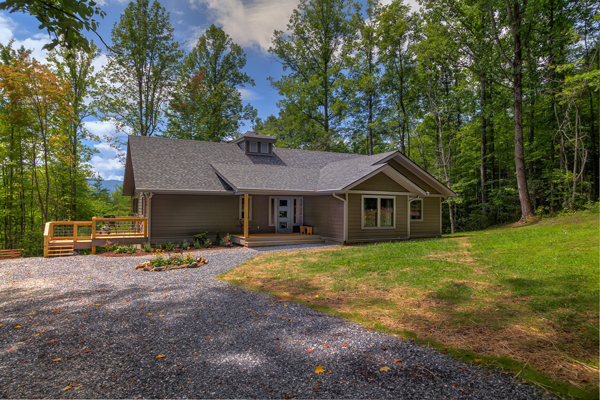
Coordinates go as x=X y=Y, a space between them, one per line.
x=273 y=239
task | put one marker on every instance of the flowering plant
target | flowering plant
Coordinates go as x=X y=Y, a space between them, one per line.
x=226 y=241
x=160 y=260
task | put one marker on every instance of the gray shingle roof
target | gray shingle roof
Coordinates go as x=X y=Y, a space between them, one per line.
x=187 y=165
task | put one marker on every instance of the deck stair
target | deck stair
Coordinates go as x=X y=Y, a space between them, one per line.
x=62 y=250
x=259 y=240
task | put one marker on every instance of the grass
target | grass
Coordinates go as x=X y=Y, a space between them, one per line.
x=523 y=297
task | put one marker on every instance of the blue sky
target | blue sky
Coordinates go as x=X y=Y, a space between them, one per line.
x=250 y=23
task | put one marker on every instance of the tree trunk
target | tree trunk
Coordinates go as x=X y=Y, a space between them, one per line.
x=483 y=149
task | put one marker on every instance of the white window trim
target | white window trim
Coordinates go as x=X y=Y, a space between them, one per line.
x=249 y=208
x=362 y=211
x=422 y=209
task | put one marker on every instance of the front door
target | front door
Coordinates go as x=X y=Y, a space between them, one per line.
x=284 y=220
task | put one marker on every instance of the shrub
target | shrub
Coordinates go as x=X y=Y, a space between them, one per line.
x=201 y=237
x=197 y=245
x=226 y=241
x=147 y=248
x=170 y=246
x=125 y=249
x=160 y=260
x=185 y=245
x=207 y=243
x=217 y=241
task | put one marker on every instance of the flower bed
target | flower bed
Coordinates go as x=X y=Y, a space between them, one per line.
x=160 y=262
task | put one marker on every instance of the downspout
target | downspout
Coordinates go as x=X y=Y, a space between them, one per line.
x=149 y=212
x=345 y=215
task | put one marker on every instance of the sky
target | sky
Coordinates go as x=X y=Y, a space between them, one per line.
x=250 y=23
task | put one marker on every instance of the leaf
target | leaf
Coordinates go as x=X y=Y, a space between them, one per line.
x=317 y=387
x=18 y=327
x=397 y=360
x=160 y=356
x=316 y=296
x=344 y=344
x=86 y=351
x=326 y=346
x=320 y=369
x=309 y=351
x=384 y=369
x=57 y=359
x=68 y=387
x=478 y=360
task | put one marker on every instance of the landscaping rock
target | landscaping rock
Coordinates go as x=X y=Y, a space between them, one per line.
x=147 y=266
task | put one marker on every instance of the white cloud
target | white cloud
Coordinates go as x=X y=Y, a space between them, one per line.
x=249 y=95
x=8 y=27
x=249 y=24
x=106 y=162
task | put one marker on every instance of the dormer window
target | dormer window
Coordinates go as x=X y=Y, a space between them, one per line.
x=253 y=143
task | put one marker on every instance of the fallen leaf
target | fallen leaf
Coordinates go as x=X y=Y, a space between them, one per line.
x=326 y=346
x=57 y=359
x=319 y=369
x=18 y=326
x=68 y=387
x=585 y=380
x=309 y=351
x=317 y=387
x=397 y=360
x=478 y=360
x=208 y=338
x=141 y=307
x=86 y=351
x=160 y=356
x=196 y=354
x=384 y=368
x=316 y=296
x=344 y=344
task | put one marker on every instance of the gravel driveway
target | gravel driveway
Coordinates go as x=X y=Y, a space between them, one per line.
x=93 y=327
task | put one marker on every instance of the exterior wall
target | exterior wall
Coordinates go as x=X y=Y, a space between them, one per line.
x=404 y=171
x=357 y=234
x=326 y=215
x=178 y=217
x=430 y=225
x=381 y=182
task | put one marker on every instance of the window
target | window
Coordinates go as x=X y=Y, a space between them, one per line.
x=416 y=210
x=242 y=208
x=264 y=148
x=378 y=212
x=253 y=147
x=134 y=206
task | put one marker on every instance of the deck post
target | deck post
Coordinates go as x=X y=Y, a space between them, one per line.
x=75 y=232
x=246 y=211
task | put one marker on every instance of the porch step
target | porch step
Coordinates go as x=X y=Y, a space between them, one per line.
x=298 y=238
x=63 y=250
x=281 y=242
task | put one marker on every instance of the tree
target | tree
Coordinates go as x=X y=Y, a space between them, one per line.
x=74 y=68
x=207 y=104
x=314 y=52
x=65 y=19
x=139 y=76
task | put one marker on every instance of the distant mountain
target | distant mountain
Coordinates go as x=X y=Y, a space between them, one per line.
x=110 y=184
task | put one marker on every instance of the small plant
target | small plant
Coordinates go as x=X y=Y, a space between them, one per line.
x=197 y=245
x=170 y=246
x=201 y=237
x=160 y=246
x=226 y=241
x=160 y=260
x=147 y=248
x=185 y=245
x=125 y=250
x=217 y=241
x=207 y=243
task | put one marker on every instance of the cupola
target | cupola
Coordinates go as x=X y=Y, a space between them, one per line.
x=254 y=143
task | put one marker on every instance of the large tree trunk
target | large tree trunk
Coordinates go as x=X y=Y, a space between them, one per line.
x=483 y=148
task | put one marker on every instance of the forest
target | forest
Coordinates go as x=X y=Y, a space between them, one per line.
x=499 y=100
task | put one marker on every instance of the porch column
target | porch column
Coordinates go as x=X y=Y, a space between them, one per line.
x=246 y=211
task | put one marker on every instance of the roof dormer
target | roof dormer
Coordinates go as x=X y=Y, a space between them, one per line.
x=254 y=143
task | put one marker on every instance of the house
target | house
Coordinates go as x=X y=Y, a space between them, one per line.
x=264 y=195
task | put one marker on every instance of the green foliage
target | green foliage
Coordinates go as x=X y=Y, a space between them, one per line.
x=206 y=244
x=147 y=248
x=169 y=246
x=207 y=104
x=66 y=20
x=217 y=241
x=142 y=64
x=200 y=237
x=125 y=249
x=185 y=245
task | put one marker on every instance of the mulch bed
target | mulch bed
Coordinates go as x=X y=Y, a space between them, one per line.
x=147 y=266
x=143 y=253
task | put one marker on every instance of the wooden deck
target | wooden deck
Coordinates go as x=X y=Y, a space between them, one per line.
x=62 y=237
x=275 y=239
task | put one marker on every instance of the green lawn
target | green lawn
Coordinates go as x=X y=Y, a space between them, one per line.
x=524 y=298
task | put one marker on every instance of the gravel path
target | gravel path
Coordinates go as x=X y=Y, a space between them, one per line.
x=95 y=327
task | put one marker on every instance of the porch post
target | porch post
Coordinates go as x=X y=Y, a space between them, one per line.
x=246 y=211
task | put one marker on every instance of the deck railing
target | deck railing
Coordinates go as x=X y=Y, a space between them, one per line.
x=97 y=228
